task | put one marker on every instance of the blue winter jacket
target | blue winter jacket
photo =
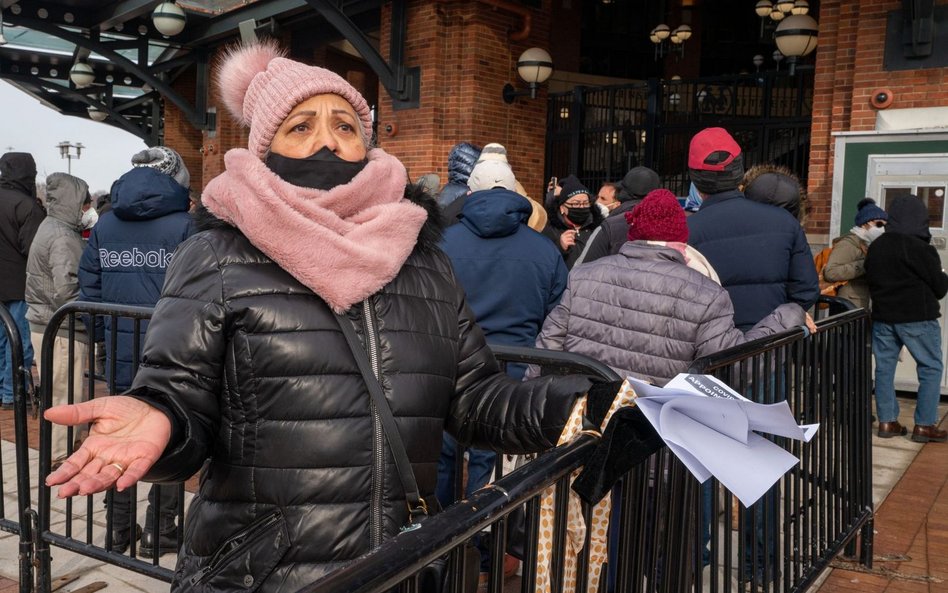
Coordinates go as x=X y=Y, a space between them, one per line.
x=513 y=276
x=129 y=250
x=759 y=251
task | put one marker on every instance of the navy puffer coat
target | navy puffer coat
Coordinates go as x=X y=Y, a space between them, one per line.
x=759 y=251
x=129 y=251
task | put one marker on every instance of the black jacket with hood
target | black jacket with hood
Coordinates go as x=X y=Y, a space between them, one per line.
x=20 y=216
x=259 y=380
x=905 y=277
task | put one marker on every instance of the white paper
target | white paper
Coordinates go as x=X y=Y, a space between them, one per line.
x=713 y=430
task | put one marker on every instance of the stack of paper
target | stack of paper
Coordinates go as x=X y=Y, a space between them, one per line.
x=712 y=430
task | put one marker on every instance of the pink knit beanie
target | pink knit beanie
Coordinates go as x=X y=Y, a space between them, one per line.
x=260 y=87
x=659 y=217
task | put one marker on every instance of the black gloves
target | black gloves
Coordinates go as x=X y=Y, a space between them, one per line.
x=628 y=440
x=599 y=399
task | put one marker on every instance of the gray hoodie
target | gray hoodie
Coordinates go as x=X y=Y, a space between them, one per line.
x=52 y=268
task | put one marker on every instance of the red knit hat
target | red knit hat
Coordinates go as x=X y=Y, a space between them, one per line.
x=659 y=217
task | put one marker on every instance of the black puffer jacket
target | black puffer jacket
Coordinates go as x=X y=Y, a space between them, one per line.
x=258 y=375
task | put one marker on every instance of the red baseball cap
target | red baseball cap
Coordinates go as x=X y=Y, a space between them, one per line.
x=712 y=149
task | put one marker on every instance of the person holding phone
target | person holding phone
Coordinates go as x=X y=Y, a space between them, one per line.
x=572 y=218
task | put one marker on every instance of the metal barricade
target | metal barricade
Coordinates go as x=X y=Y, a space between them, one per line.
x=778 y=545
x=81 y=530
x=824 y=503
x=25 y=522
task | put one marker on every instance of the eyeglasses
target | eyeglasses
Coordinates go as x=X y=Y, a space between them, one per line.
x=583 y=204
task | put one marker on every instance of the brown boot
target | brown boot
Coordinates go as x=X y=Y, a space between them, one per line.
x=929 y=434
x=887 y=430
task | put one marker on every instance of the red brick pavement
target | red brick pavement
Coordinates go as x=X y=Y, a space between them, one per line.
x=911 y=540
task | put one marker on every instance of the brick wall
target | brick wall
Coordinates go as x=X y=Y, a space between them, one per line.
x=180 y=134
x=849 y=67
x=466 y=56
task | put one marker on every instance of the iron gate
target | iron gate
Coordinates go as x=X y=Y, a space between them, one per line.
x=599 y=133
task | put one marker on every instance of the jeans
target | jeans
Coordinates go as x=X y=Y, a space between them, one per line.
x=923 y=340
x=18 y=311
x=480 y=464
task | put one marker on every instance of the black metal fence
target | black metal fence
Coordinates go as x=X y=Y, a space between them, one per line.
x=25 y=521
x=665 y=537
x=671 y=535
x=599 y=133
x=87 y=525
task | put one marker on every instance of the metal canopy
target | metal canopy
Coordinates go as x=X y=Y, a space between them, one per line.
x=135 y=66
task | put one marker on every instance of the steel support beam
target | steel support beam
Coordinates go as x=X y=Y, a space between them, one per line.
x=53 y=94
x=402 y=83
x=197 y=118
x=122 y=12
x=226 y=25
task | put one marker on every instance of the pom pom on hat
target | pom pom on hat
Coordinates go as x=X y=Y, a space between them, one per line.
x=260 y=88
x=165 y=160
x=867 y=210
x=659 y=217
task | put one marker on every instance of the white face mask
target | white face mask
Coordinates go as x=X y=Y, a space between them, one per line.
x=89 y=218
x=874 y=233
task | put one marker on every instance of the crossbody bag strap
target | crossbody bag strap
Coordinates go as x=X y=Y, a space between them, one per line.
x=416 y=504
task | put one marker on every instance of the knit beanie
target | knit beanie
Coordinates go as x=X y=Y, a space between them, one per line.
x=659 y=217
x=571 y=186
x=165 y=160
x=490 y=174
x=715 y=162
x=637 y=183
x=260 y=88
x=867 y=210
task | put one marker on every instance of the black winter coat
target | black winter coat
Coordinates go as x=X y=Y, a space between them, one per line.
x=259 y=380
x=903 y=269
x=20 y=216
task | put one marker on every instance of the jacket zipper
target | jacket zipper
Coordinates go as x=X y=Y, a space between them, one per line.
x=378 y=471
x=233 y=544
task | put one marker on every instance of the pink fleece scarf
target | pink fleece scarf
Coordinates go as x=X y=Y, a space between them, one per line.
x=345 y=243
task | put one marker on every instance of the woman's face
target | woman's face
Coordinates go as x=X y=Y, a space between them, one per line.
x=323 y=120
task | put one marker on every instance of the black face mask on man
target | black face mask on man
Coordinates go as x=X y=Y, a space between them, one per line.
x=320 y=170
x=579 y=216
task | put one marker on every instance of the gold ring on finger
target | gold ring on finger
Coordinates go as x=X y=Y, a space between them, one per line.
x=119 y=467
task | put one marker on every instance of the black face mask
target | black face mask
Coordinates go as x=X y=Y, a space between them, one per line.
x=579 y=216
x=320 y=170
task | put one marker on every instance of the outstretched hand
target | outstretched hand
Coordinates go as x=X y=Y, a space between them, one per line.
x=125 y=439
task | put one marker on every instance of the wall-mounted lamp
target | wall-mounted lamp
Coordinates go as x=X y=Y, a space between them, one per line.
x=796 y=37
x=82 y=74
x=667 y=41
x=169 y=19
x=534 y=67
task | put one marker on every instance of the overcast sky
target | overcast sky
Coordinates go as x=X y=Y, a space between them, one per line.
x=26 y=125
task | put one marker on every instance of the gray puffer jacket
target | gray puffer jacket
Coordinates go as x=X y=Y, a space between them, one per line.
x=52 y=268
x=645 y=313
